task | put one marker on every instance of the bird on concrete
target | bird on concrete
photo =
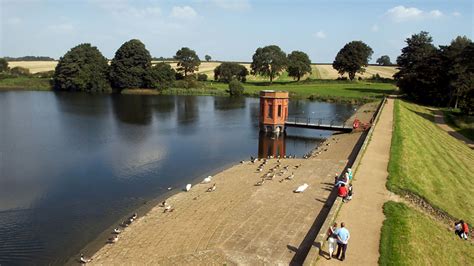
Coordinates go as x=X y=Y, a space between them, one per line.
x=113 y=239
x=211 y=189
x=116 y=231
x=84 y=260
x=188 y=187
x=207 y=180
x=259 y=183
x=290 y=177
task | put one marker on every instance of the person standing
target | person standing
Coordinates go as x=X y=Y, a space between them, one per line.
x=343 y=236
x=331 y=239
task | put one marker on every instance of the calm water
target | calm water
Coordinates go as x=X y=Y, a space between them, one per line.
x=71 y=165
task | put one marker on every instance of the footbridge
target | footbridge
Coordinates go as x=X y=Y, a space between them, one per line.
x=318 y=123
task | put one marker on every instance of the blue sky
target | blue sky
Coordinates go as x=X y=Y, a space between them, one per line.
x=227 y=29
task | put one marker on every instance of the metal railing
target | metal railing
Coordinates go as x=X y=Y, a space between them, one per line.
x=310 y=121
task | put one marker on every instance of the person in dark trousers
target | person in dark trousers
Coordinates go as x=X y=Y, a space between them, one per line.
x=343 y=236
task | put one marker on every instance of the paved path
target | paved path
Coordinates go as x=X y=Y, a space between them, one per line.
x=439 y=120
x=363 y=215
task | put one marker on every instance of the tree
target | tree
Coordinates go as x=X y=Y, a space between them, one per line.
x=188 y=61
x=83 y=68
x=298 y=64
x=236 y=88
x=229 y=70
x=207 y=57
x=421 y=71
x=161 y=76
x=202 y=77
x=352 y=58
x=384 y=60
x=268 y=61
x=464 y=84
x=457 y=68
x=20 y=71
x=131 y=66
x=3 y=65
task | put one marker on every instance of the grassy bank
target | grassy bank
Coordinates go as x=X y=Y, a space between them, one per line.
x=411 y=238
x=427 y=161
x=461 y=123
x=25 y=83
x=326 y=90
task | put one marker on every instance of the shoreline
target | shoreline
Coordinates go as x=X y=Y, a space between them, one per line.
x=98 y=245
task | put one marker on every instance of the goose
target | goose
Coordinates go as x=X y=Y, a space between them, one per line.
x=116 y=231
x=271 y=177
x=290 y=177
x=297 y=166
x=259 y=183
x=301 y=188
x=211 y=189
x=83 y=259
x=163 y=204
x=259 y=169
x=113 y=239
x=207 y=180
x=286 y=167
x=168 y=209
x=252 y=158
x=134 y=216
x=241 y=162
x=170 y=188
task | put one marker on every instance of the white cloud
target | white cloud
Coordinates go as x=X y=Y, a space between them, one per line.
x=233 y=4
x=374 y=28
x=61 y=28
x=185 y=12
x=435 y=13
x=456 y=14
x=401 y=14
x=125 y=8
x=320 y=35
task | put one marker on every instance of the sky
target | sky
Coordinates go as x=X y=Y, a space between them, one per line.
x=228 y=30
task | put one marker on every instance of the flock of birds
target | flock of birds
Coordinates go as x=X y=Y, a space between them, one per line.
x=277 y=171
x=283 y=172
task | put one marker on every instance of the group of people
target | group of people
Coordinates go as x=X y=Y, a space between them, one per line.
x=339 y=236
x=344 y=187
x=461 y=229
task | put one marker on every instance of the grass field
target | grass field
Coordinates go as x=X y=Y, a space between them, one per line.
x=320 y=90
x=320 y=71
x=25 y=83
x=461 y=123
x=427 y=161
x=412 y=238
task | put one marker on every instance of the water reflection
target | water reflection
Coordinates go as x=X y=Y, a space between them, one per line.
x=229 y=103
x=132 y=109
x=271 y=145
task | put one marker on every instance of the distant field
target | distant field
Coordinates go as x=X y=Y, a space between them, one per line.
x=319 y=71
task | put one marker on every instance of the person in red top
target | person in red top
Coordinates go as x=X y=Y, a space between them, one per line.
x=465 y=230
x=342 y=191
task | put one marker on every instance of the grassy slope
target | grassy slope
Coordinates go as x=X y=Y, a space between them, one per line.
x=411 y=238
x=25 y=83
x=427 y=161
x=461 y=123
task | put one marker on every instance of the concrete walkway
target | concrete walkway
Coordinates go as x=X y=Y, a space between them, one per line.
x=439 y=120
x=363 y=215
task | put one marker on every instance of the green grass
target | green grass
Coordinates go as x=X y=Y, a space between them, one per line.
x=319 y=89
x=25 y=83
x=427 y=161
x=412 y=238
x=463 y=124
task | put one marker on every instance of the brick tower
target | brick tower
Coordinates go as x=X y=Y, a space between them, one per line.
x=273 y=110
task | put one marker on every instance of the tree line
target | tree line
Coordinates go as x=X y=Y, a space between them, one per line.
x=441 y=76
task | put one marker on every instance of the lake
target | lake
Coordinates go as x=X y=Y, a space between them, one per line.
x=72 y=164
